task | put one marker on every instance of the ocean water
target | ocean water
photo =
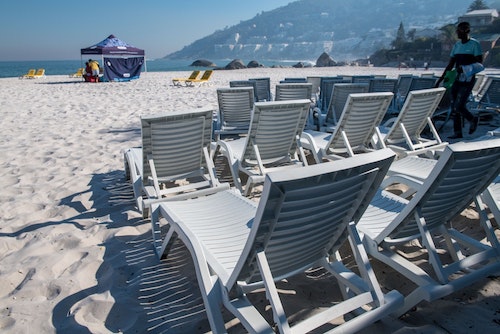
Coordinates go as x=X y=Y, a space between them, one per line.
x=66 y=67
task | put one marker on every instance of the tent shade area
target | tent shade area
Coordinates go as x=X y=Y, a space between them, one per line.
x=120 y=61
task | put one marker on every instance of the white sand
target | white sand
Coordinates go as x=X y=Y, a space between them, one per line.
x=76 y=256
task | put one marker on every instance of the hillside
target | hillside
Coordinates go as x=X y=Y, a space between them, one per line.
x=302 y=30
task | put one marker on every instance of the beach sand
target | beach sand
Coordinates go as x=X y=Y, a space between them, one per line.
x=77 y=257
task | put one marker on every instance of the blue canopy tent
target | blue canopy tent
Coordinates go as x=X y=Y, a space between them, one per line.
x=119 y=60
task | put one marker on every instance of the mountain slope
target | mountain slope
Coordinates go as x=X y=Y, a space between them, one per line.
x=302 y=30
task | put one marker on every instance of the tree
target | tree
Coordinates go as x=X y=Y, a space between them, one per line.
x=411 y=34
x=476 y=5
x=400 y=37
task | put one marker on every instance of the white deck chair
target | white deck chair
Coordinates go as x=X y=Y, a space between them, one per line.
x=491 y=197
x=300 y=222
x=404 y=133
x=293 y=91
x=340 y=94
x=296 y=91
x=324 y=98
x=420 y=169
x=354 y=132
x=454 y=260
x=245 y=83
x=488 y=103
x=263 y=90
x=175 y=147
x=272 y=142
x=235 y=111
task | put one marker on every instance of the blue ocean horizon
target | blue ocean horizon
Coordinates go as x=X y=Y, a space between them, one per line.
x=9 y=69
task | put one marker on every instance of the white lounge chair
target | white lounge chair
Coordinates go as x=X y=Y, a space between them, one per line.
x=296 y=91
x=338 y=100
x=263 y=90
x=325 y=95
x=235 y=111
x=245 y=83
x=302 y=219
x=403 y=133
x=420 y=169
x=175 y=147
x=272 y=142
x=354 y=132
x=488 y=102
x=454 y=259
x=293 y=91
x=491 y=197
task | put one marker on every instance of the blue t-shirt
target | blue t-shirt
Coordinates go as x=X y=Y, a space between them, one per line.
x=466 y=53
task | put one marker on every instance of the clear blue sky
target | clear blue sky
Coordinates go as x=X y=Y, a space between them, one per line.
x=58 y=29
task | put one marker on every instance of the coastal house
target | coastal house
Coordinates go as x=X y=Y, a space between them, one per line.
x=479 y=18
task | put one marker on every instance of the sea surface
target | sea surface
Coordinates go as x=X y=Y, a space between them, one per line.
x=67 y=67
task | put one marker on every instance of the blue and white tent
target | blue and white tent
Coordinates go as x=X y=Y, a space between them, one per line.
x=119 y=60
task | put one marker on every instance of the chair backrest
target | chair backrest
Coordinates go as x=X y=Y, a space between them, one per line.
x=175 y=142
x=382 y=85
x=478 y=83
x=418 y=107
x=316 y=83
x=340 y=94
x=361 y=78
x=326 y=89
x=418 y=83
x=491 y=95
x=235 y=109
x=206 y=75
x=403 y=86
x=245 y=83
x=275 y=129
x=194 y=75
x=294 y=80
x=485 y=83
x=293 y=91
x=303 y=213
x=428 y=75
x=362 y=114
x=263 y=89
x=40 y=72
x=463 y=171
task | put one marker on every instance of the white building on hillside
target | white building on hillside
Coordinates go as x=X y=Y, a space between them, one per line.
x=479 y=18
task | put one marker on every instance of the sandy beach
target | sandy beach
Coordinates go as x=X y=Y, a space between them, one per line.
x=77 y=257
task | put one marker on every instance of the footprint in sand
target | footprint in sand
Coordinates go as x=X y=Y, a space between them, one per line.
x=6 y=321
x=97 y=313
x=53 y=291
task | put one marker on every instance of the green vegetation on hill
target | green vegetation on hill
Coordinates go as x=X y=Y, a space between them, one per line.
x=304 y=29
x=409 y=51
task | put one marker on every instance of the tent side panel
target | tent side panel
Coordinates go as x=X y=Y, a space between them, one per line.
x=122 y=69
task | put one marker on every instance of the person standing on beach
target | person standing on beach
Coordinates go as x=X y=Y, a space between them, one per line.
x=94 y=65
x=466 y=51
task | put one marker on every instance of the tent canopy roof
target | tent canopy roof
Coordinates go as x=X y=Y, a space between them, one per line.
x=112 y=46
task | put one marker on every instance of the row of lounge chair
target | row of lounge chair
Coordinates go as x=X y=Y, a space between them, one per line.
x=32 y=74
x=307 y=212
x=193 y=79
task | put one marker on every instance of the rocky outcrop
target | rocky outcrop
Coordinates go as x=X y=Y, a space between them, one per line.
x=203 y=63
x=254 y=64
x=325 y=60
x=235 y=65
